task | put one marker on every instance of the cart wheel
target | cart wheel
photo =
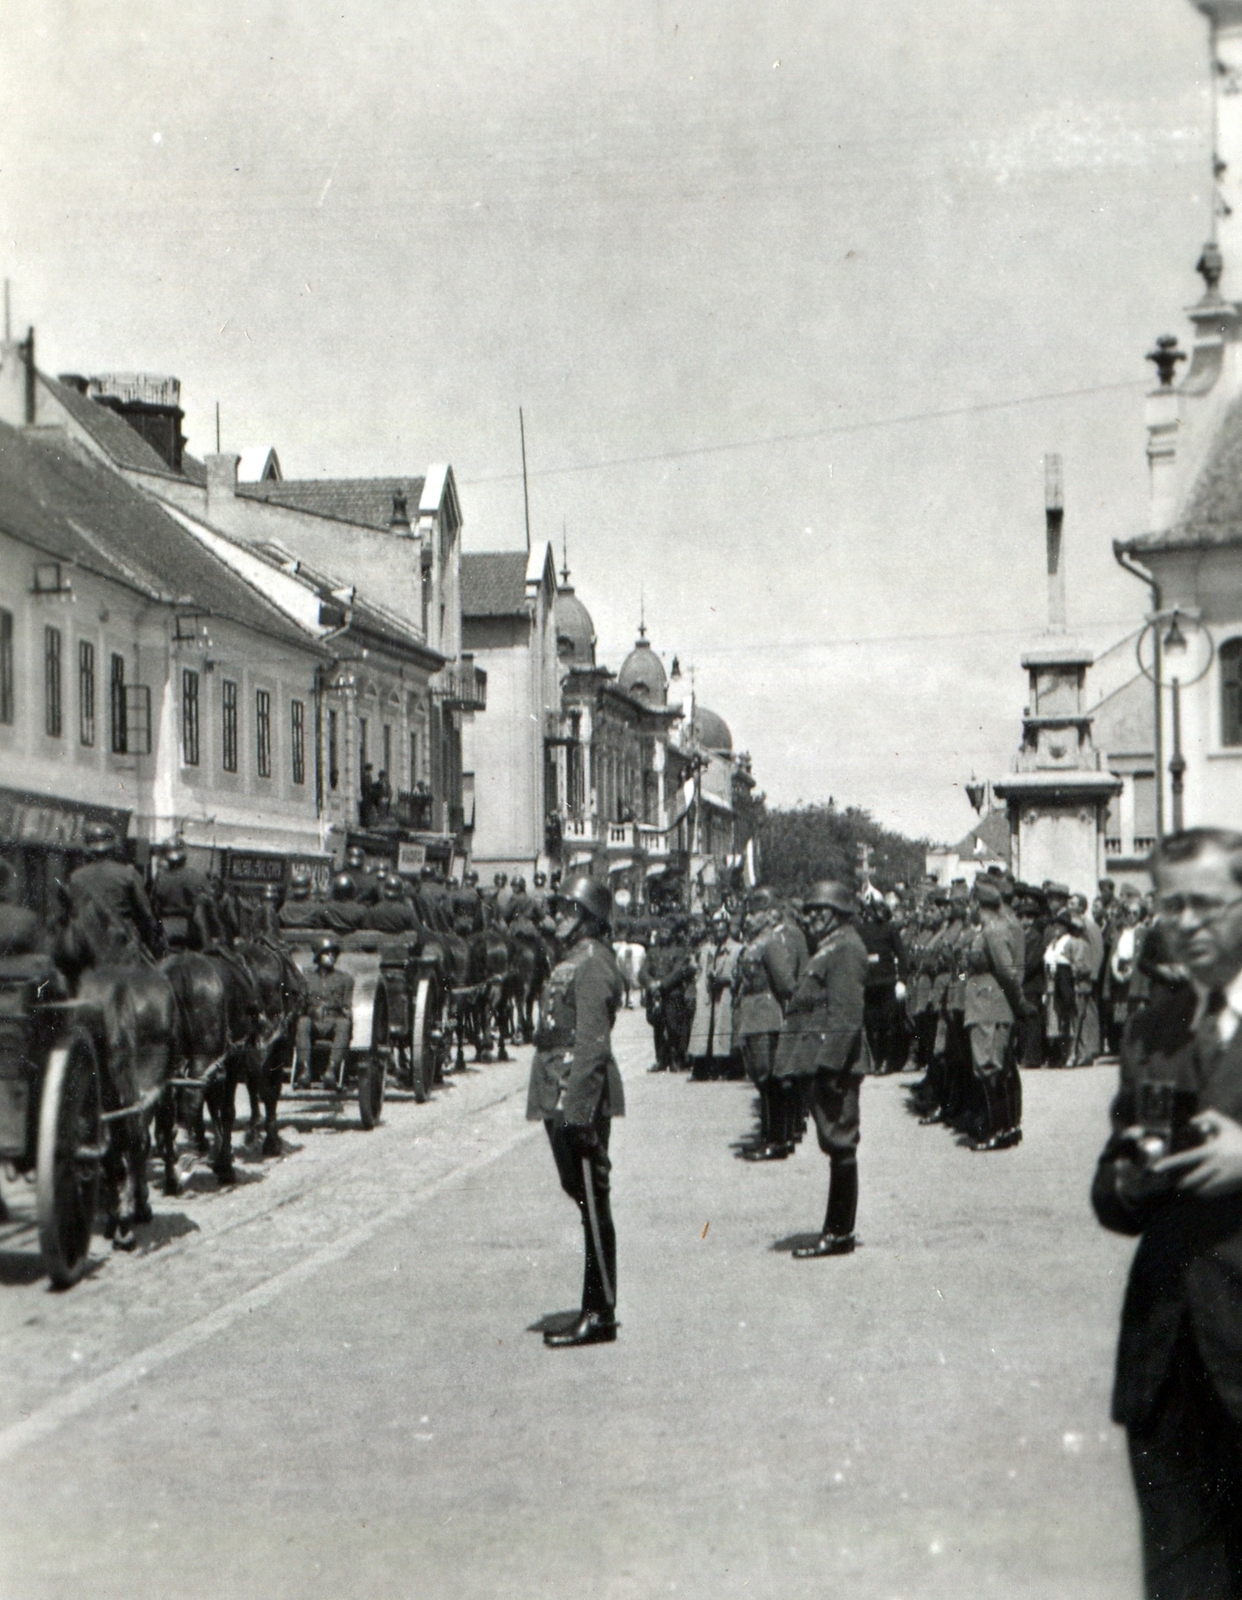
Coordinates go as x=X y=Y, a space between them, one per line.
x=422 y=1041
x=71 y=1141
x=372 y=1070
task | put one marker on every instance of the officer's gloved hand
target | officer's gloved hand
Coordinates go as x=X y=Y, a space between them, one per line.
x=583 y=1141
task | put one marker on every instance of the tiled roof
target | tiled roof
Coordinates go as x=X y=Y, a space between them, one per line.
x=123 y=445
x=493 y=584
x=1213 y=513
x=366 y=502
x=55 y=496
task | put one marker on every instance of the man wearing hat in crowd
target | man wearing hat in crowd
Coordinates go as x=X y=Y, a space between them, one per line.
x=993 y=998
x=575 y=1091
x=924 y=1011
x=886 y=968
x=343 y=914
x=111 y=890
x=329 y=1013
x=823 y=1050
x=392 y=913
x=955 y=1076
x=467 y=907
x=365 y=874
x=1030 y=1047
x=177 y=890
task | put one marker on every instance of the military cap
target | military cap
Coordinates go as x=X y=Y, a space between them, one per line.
x=986 y=893
x=328 y=945
x=99 y=837
x=938 y=896
x=342 y=887
x=1060 y=889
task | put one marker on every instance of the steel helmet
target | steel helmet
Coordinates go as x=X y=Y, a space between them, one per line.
x=355 y=856
x=342 y=887
x=519 y=885
x=541 y=879
x=99 y=838
x=592 y=895
x=391 y=887
x=328 y=945
x=271 y=892
x=833 y=896
x=175 y=856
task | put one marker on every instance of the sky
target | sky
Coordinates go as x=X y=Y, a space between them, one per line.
x=794 y=295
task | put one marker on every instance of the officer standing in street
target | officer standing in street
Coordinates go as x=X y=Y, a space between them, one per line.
x=823 y=1051
x=329 y=1014
x=576 y=1090
x=768 y=972
x=113 y=891
x=993 y=999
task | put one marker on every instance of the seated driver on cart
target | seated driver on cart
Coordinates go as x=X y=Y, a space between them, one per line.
x=393 y=913
x=329 y=1014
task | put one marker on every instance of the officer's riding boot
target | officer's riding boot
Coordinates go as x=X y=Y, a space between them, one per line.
x=837 y=1239
x=776 y=1144
x=597 y=1323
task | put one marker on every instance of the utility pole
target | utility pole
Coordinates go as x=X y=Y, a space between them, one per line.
x=525 y=488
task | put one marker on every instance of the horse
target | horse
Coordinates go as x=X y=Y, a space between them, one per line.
x=131 y=1011
x=530 y=968
x=491 y=958
x=283 y=998
x=221 y=1006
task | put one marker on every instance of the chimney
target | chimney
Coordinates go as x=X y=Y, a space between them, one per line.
x=221 y=485
x=150 y=404
x=27 y=348
x=1054 y=515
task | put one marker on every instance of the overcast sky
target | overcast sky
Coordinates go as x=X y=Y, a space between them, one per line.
x=714 y=250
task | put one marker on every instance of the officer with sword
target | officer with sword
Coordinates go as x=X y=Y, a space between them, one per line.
x=575 y=1090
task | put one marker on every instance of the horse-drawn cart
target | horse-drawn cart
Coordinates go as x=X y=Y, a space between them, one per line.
x=51 y=1113
x=370 y=1050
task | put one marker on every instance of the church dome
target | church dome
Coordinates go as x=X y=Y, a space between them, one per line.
x=711 y=731
x=642 y=675
x=575 y=632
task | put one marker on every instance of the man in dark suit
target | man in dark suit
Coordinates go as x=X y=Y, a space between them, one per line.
x=1172 y=1173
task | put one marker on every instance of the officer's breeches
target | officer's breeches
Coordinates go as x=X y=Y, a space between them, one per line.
x=996 y=1077
x=569 y=1168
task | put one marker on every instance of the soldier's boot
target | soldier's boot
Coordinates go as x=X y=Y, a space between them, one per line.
x=597 y=1322
x=837 y=1238
x=777 y=1145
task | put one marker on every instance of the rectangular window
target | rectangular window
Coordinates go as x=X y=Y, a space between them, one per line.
x=334 y=766
x=86 y=692
x=51 y=682
x=118 y=706
x=263 y=733
x=6 y=666
x=228 y=725
x=413 y=759
x=1231 y=692
x=189 y=717
x=297 y=744
x=388 y=749
x=1144 y=809
x=363 y=757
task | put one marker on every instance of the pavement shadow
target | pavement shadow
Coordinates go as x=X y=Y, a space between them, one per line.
x=20 y=1267
x=793 y=1241
x=555 y=1321
x=167 y=1226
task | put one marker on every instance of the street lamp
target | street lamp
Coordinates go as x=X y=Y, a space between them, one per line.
x=975 y=791
x=1175 y=646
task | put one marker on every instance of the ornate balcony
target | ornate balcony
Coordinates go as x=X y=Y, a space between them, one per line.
x=461 y=686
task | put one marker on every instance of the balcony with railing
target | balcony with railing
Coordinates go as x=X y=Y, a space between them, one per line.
x=461 y=685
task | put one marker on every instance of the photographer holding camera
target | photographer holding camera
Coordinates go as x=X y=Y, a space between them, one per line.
x=1172 y=1173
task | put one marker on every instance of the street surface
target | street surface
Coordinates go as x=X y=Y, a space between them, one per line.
x=330 y=1381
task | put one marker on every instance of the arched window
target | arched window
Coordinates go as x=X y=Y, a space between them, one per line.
x=1231 y=692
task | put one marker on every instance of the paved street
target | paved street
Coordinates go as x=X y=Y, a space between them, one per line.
x=326 y=1382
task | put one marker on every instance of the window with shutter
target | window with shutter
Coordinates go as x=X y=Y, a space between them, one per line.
x=1231 y=692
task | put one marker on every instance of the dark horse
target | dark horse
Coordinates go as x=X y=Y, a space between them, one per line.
x=131 y=1011
x=220 y=1003
x=282 y=998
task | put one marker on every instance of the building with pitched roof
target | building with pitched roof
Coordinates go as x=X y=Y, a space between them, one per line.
x=1190 y=554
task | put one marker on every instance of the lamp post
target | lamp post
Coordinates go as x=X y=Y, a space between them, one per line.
x=1173 y=648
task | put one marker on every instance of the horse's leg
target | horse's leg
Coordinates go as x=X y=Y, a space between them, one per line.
x=113 y=1174
x=460 y=1015
x=223 y=1115
x=502 y=1022
x=254 y=1088
x=278 y=1059
x=166 y=1141
x=139 y=1153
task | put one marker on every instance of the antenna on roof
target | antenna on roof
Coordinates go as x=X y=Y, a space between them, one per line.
x=642 y=612
x=564 y=554
x=217 y=427
x=525 y=490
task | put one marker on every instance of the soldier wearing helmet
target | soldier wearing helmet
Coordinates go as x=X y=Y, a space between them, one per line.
x=299 y=910
x=329 y=1014
x=343 y=913
x=823 y=1052
x=575 y=1090
x=393 y=913
x=366 y=875
x=176 y=892
x=111 y=891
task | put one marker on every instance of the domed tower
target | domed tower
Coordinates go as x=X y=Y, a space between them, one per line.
x=711 y=732
x=642 y=674
x=575 y=632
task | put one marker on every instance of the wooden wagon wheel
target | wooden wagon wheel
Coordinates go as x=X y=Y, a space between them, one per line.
x=71 y=1150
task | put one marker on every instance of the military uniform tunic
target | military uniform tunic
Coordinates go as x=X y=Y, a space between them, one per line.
x=822 y=1041
x=574 y=1076
x=115 y=890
